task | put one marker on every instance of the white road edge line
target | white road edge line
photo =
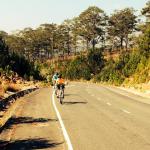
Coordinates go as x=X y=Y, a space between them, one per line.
x=62 y=124
x=125 y=111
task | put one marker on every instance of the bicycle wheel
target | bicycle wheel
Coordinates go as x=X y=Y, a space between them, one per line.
x=61 y=97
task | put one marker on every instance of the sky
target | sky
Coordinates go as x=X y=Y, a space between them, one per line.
x=18 y=14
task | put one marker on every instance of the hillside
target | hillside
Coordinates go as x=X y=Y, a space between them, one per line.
x=12 y=84
x=114 y=50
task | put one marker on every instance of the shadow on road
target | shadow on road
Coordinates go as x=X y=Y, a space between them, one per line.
x=69 y=94
x=28 y=144
x=72 y=103
x=24 y=120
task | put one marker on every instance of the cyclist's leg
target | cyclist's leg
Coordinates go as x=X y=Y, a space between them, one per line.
x=58 y=90
x=53 y=81
x=55 y=87
x=63 y=89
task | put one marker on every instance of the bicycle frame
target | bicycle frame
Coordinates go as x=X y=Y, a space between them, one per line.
x=61 y=94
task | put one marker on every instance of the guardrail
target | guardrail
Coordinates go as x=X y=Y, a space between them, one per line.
x=6 y=102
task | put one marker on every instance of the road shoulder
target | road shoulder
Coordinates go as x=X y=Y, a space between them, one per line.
x=33 y=125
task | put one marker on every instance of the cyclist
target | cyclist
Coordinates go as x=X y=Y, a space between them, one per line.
x=54 y=79
x=60 y=82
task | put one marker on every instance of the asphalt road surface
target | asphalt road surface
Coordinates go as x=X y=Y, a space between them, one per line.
x=95 y=118
x=104 y=118
x=33 y=125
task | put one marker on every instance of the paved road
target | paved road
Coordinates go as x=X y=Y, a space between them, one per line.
x=33 y=125
x=104 y=118
x=96 y=118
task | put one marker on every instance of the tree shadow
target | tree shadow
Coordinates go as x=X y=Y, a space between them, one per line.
x=28 y=144
x=24 y=120
x=74 y=102
x=67 y=94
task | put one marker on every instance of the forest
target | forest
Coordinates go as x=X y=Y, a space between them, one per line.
x=92 y=46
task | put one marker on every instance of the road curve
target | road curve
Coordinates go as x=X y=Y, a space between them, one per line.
x=104 y=118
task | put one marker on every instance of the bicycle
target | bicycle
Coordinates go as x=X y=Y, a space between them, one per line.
x=55 y=88
x=61 y=94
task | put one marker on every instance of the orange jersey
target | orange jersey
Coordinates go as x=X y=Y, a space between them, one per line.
x=60 y=81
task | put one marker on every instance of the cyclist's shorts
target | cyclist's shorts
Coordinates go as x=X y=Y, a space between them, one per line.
x=59 y=85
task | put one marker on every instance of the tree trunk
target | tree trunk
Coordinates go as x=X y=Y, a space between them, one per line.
x=52 y=40
x=68 y=44
x=121 y=43
x=93 y=44
x=87 y=44
x=75 y=45
x=68 y=47
x=127 y=41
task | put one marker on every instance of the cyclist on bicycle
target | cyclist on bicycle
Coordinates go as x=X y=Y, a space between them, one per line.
x=54 y=78
x=60 y=82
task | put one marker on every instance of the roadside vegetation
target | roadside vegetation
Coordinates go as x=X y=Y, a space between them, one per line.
x=82 y=48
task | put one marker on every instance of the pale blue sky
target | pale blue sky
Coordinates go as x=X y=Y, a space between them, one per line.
x=18 y=14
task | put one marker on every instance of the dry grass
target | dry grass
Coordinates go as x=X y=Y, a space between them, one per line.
x=7 y=86
x=12 y=87
x=1 y=92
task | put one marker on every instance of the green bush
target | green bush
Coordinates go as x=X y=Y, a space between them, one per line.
x=122 y=61
x=110 y=74
x=78 y=69
x=116 y=78
x=95 y=60
x=144 y=45
x=131 y=65
x=142 y=74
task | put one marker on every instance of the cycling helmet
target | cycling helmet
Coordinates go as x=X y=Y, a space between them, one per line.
x=56 y=73
x=60 y=76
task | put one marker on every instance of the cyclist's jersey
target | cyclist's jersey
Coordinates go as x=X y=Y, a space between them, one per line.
x=60 y=81
x=55 y=77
